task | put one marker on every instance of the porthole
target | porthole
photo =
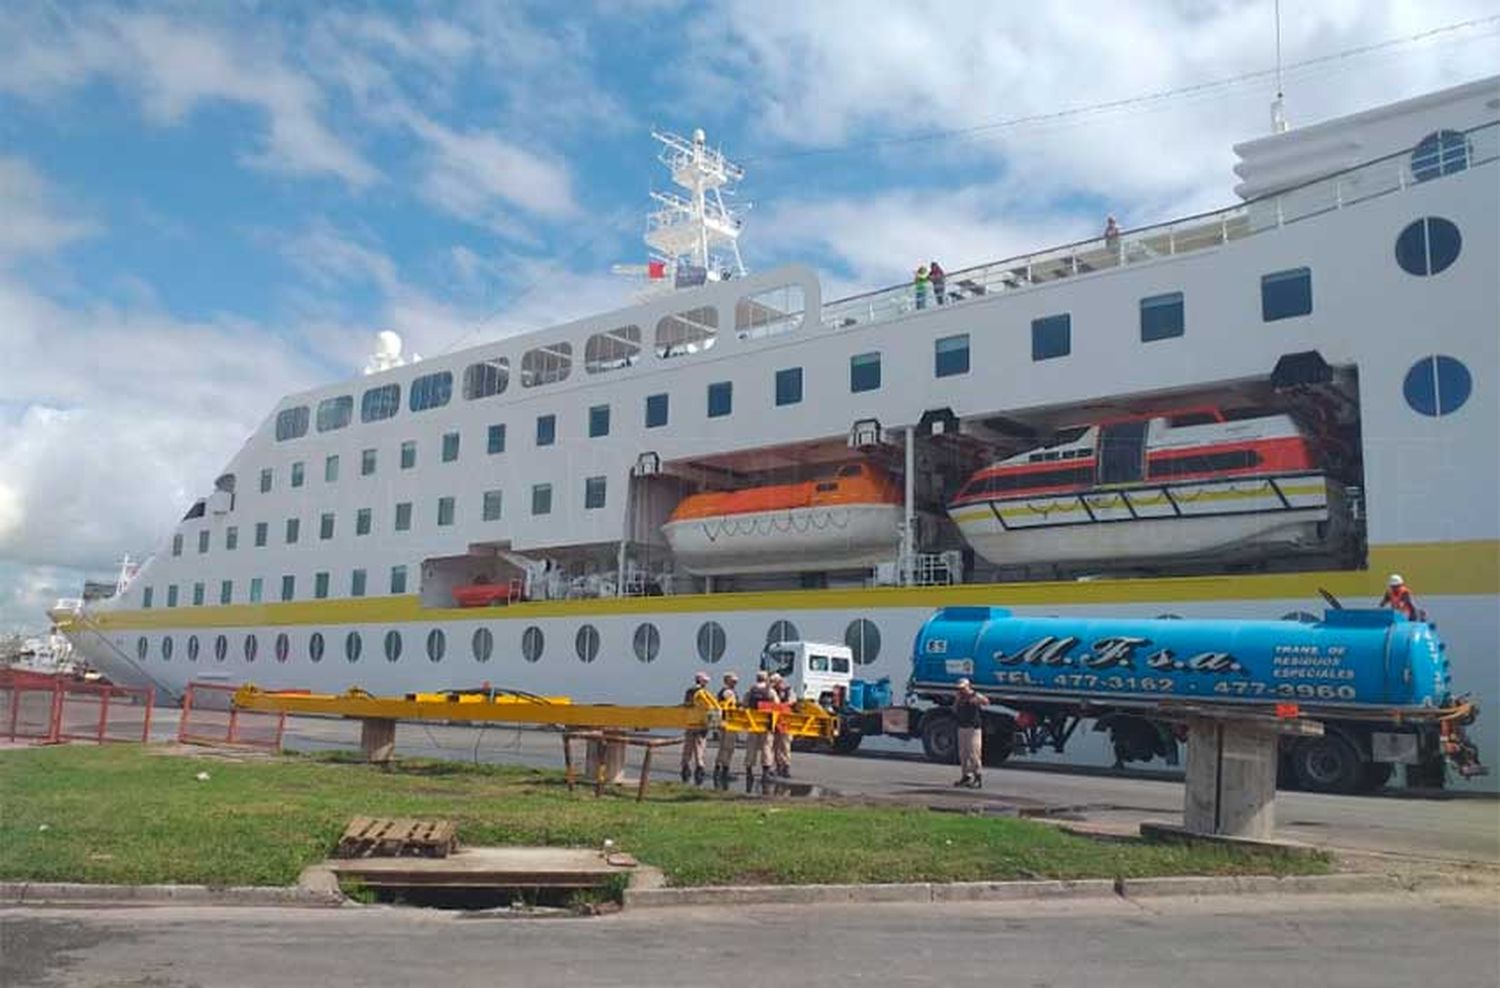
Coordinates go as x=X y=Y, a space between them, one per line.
x=711 y=641
x=586 y=643
x=353 y=646
x=392 y=645
x=193 y=646
x=646 y=642
x=1428 y=246
x=1442 y=153
x=532 y=643
x=1437 y=385
x=142 y=646
x=315 y=647
x=1303 y=616
x=283 y=647
x=251 y=647
x=863 y=639
x=166 y=649
x=221 y=648
x=437 y=645
x=781 y=631
x=483 y=644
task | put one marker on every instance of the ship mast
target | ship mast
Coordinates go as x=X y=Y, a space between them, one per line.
x=693 y=235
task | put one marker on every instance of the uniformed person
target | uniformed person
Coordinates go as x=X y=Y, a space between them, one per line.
x=694 y=741
x=781 y=743
x=968 y=712
x=728 y=698
x=758 y=747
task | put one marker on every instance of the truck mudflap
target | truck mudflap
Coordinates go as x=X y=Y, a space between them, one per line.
x=1461 y=753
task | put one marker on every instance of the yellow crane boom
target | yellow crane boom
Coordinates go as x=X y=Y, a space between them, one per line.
x=804 y=719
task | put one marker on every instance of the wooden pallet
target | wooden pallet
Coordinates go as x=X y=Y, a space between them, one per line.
x=374 y=837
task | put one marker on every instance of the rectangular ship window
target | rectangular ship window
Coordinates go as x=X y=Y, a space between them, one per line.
x=656 y=411
x=450 y=447
x=541 y=499
x=1285 y=294
x=1051 y=336
x=491 y=507
x=720 y=399
x=593 y=492
x=496 y=439
x=951 y=356
x=864 y=372
x=357 y=583
x=398 y=579
x=1161 y=317
x=789 y=386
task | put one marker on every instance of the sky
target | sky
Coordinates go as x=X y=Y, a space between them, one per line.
x=206 y=206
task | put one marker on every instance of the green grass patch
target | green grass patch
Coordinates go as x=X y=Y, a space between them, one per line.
x=136 y=815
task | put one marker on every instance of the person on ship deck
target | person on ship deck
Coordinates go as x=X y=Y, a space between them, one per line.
x=1399 y=599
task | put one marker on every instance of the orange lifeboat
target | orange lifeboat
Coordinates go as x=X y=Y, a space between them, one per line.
x=846 y=518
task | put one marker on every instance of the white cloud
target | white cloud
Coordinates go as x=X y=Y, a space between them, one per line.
x=811 y=82
x=31 y=220
x=468 y=172
x=175 y=67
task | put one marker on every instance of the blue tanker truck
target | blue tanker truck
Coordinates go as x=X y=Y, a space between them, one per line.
x=1379 y=683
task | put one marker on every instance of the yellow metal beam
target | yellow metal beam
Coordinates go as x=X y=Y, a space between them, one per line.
x=806 y=719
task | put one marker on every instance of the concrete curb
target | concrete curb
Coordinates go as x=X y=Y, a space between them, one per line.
x=79 y=894
x=1100 y=888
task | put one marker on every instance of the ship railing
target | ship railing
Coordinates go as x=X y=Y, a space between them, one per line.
x=1452 y=152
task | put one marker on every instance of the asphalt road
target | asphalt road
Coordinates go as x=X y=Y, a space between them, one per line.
x=1458 y=828
x=1452 y=939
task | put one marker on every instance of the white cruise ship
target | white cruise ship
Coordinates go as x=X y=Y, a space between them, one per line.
x=1213 y=416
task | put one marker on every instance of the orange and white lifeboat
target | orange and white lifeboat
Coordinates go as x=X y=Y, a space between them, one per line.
x=848 y=518
x=1189 y=483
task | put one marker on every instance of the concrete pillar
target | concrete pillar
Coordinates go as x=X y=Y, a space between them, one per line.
x=1231 y=779
x=377 y=740
x=612 y=754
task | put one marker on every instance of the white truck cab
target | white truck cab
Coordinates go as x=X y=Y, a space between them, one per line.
x=816 y=671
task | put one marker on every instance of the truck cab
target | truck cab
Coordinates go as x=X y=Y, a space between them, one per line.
x=816 y=671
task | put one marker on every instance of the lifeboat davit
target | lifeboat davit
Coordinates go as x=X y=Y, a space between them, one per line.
x=849 y=517
x=1186 y=484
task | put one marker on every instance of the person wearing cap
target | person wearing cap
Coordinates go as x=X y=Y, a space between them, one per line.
x=920 y=283
x=781 y=741
x=968 y=712
x=758 y=744
x=694 y=740
x=728 y=699
x=1398 y=597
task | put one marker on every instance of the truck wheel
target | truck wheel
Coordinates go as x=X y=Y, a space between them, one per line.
x=999 y=740
x=1327 y=764
x=847 y=742
x=940 y=739
x=1374 y=775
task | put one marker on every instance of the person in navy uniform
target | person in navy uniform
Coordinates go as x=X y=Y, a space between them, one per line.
x=694 y=741
x=727 y=698
x=968 y=711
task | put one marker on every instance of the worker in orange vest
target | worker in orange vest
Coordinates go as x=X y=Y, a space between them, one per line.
x=1399 y=599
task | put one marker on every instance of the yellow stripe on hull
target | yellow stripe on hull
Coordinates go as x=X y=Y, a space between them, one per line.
x=1432 y=568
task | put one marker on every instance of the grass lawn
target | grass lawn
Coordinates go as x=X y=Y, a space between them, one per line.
x=138 y=815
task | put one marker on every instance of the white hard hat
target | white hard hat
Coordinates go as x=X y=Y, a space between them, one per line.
x=964 y=684
x=1395 y=580
x=701 y=677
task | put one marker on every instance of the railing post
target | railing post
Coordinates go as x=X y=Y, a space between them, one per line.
x=103 y=714
x=187 y=709
x=1338 y=193
x=54 y=729
x=1172 y=240
x=1223 y=229
x=146 y=726
x=1280 y=219
x=15 y=708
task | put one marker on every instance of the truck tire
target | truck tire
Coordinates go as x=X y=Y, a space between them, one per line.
x=1327 y=764
x=940 y=738
x=846 y=743
x=999 y=740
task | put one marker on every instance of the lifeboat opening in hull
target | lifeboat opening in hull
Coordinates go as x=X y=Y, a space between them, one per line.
x=842 y=518
x=1178 y=485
